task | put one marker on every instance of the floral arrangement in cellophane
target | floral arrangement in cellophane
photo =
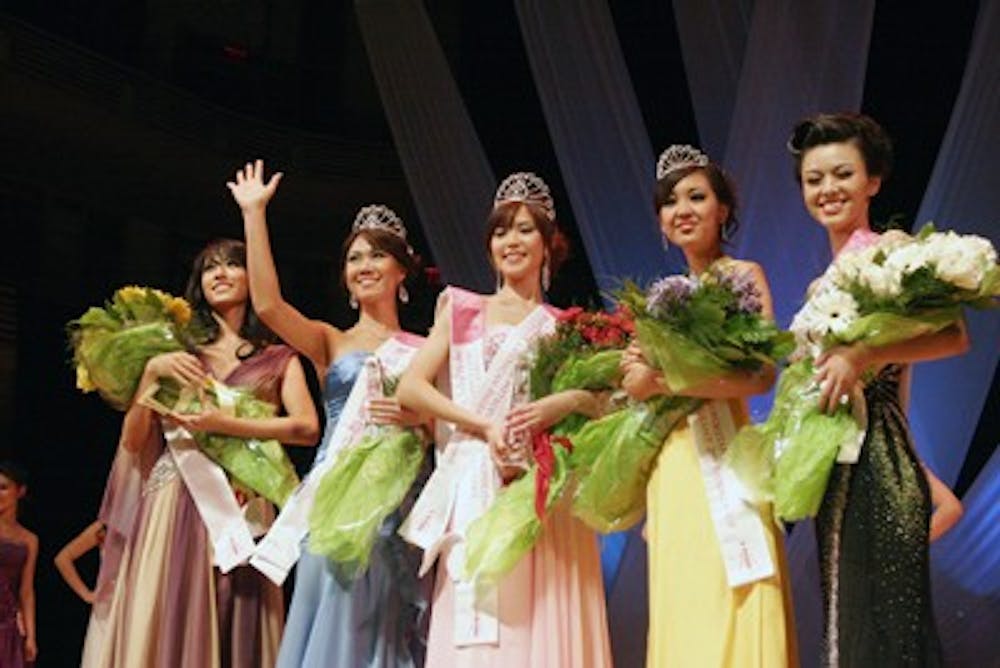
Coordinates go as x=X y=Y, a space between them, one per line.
x=896 y=289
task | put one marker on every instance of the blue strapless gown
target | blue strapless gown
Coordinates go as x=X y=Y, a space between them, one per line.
x=379 y=620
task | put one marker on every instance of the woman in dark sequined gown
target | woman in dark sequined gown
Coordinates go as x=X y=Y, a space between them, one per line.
x=873 y=526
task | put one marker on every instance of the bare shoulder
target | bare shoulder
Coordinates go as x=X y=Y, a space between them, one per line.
x=746 y=265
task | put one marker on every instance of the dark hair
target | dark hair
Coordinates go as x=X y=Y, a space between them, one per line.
x=252 y=329
x=858 y=129
x=387 y=242
x=15 y=472
x=502 y=217
x=720 y=183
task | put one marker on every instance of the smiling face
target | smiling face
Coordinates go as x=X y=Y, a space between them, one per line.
x=224 y=282
x=837 y=187
x=517 y=250
x=371 y=273
x=691 y=216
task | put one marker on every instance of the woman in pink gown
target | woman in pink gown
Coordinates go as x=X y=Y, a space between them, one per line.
x=550 y=610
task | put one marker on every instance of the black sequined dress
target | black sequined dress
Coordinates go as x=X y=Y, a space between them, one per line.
x=873 y=536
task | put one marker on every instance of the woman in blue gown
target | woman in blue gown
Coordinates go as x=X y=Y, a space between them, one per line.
x=375 y=620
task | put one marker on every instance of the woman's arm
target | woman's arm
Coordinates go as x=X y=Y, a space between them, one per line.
x=140 y=422
x=86 y=541
x=27 y=598
x=416 y=389
x=539 y=415
x=841 y=367
x=642 y=381
x=299 y=425
x=313 y=338
x=947 y=508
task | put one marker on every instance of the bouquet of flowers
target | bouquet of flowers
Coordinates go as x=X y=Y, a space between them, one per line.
x=693 y=330
x=583 y=353
x=261 y=465
x=893 y=290
x=111 y=344
x=368 y=482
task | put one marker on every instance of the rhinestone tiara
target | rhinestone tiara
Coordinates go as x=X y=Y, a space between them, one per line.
x=529 y=188
x=379 y=217
x=677 y=157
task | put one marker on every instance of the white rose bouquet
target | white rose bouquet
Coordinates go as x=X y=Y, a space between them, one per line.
x=894 y=290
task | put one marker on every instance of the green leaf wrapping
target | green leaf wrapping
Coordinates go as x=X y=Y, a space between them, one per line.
x=613 y=458
x=261 y=465
x=115 y=359
x=683 y=362
x=809 y=440
x=366 y=484
x=499 y=538
x=595 y=371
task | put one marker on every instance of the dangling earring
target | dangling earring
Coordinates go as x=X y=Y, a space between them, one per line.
x=499 y=282
x=404 y=296
x=546 y=276
x=665 y=240
x=353 y=301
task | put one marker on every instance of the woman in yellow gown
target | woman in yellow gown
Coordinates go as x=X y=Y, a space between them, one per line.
x=718 y=584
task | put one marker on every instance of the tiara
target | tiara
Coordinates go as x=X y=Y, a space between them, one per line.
x=526 y=187
x=379 y=217
x=678 y=156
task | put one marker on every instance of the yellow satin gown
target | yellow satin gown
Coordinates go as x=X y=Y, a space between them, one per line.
x=696 y=619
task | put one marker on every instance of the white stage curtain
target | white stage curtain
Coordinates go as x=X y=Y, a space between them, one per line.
x=599 y=136
x=948 y=396
x=446 y=168
x=713 y=37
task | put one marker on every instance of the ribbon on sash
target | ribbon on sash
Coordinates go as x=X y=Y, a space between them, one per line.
x=276 y=554
x=737 y=522
x=465 y=480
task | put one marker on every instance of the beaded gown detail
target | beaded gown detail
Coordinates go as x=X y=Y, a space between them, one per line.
x=872 y=531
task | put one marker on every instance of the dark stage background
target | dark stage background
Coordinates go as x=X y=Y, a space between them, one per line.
x=120 y=122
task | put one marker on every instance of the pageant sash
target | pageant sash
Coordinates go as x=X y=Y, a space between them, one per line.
x=465 y=480
x=738 y=525
x=232 y=543
x=277 y=553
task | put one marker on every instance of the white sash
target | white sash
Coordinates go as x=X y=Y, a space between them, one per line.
x=465 y=480
x=275 y=555
x=207 y=483
x=232 y=542
x=738 y=525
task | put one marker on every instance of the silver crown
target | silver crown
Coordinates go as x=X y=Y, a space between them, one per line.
x=379 y=217
x=679 y=156
x=526 y=187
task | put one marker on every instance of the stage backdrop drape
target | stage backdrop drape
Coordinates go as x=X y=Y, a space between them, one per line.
x=599 y=137
x=446 y=168
x=948 y=396
x=801 y=58
x=713 y=37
